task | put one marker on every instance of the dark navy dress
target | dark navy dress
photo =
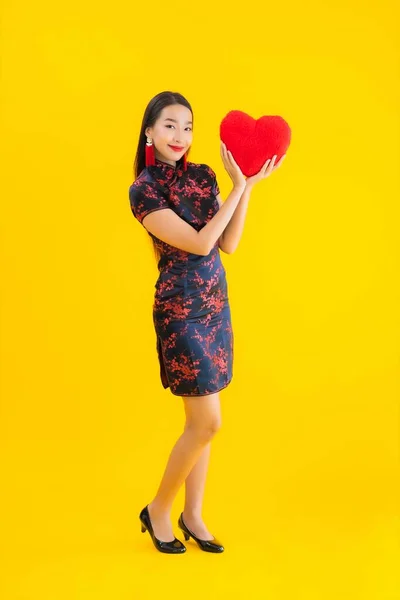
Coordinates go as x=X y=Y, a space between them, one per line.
x=191 y=312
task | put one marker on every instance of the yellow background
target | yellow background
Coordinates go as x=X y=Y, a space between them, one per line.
x=302 y=486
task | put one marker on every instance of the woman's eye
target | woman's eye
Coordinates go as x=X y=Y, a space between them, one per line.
x=173 y=126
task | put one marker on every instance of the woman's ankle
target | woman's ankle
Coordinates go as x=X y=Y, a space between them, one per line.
x=159 y=510
x=193 y=515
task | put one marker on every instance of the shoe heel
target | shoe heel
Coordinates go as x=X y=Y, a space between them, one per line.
x=175 y=546
x=186 y=536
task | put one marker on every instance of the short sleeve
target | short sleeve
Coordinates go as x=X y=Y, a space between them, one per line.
x=215 y=187
x=144 y=199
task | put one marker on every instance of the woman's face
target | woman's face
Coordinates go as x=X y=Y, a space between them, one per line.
x=172 y=133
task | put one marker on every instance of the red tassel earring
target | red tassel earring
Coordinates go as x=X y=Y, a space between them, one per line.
x=150 y=158
x=184 y=162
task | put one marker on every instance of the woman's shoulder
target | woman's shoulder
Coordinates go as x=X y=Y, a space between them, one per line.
x=144 y=182
x=143 y=177
x=205 y=168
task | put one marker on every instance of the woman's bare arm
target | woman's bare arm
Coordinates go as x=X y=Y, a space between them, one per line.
x=167 y=226
x=170 y=228
x=230 y=238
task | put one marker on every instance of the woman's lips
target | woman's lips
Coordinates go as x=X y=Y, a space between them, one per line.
x=176 y=148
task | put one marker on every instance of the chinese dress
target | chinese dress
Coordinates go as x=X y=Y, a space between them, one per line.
x=191 y=313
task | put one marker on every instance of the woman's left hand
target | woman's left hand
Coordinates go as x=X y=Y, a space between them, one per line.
x=268 y=167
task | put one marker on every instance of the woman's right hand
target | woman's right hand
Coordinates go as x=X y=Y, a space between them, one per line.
x=232 y=167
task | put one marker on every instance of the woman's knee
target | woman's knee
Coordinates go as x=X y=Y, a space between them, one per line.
x=203 y=415
x=204 y=431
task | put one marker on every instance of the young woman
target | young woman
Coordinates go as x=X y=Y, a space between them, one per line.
x=179 y=204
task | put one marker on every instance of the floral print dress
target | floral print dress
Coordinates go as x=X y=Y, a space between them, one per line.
x=191 y=312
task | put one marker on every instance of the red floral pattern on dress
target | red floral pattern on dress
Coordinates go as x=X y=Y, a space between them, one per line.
x=191 y=311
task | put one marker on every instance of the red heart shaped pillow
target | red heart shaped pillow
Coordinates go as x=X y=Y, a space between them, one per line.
x=253 y=141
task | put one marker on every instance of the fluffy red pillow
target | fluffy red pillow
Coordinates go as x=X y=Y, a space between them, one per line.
x=253 y=141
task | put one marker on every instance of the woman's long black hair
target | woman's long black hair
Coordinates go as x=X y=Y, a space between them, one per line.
x=151 y=114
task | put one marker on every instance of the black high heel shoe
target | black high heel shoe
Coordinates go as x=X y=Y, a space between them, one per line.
x=207 y=545
x=174 y=547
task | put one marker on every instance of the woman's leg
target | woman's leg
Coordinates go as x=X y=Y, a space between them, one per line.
x=203 y=420
x=194 y=491
x=194 y=494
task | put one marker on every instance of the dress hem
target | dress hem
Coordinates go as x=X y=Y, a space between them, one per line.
x=205 y=394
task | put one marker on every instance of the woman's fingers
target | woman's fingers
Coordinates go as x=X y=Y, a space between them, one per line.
x=229 y=160
x=225 y=158
x=265 y=165
x=268 y=163
x=270 y=166
x=224 y=153
x=266 y=169
x=280 y=161
x=231 y=157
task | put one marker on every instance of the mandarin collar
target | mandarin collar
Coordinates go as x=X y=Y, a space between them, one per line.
x=168 y=171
